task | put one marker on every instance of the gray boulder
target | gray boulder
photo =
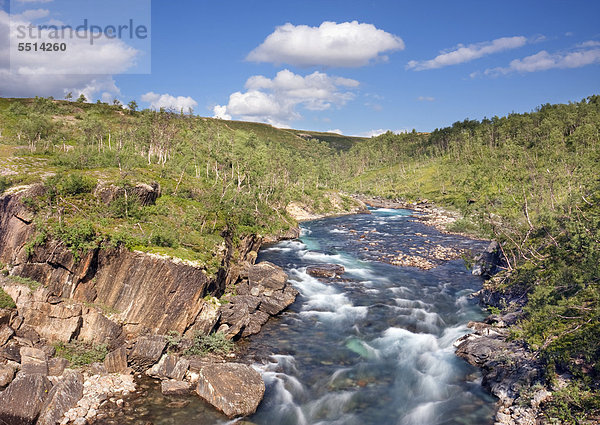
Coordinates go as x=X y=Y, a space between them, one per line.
x=267 y=275
x=233 y=388
x=325 y=270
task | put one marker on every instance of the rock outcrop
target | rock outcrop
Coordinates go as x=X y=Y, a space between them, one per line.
x=489 y=261
x=233 y=388
x=148 y=293
x=263 y=291
x=509 y=370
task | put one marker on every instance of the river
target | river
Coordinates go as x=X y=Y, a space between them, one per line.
x=373 y=346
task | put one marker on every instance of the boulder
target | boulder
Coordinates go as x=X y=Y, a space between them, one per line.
x=236 y=317
x=33 y=361
x=233 y=388
x=116 y=360
x=55 y=322
x=206 y=320
x=12 y=352
x=7 y=373
x=325 y=270
x=22 y=401
x=278 y=301
x=268 y=275
x=62 y=397
x=147 y=351
x=147 y=194
x=257 y=320
x=169 y=366
x=489 y=261
x=175 y=387
x=57 y=365
x=6 y=333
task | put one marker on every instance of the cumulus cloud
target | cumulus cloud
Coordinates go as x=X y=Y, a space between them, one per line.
x=83 y=70
x=275 y=100
x=468 y=53
x=584 y=54
x=167 y=101
x=335 y=131
x=347 y=44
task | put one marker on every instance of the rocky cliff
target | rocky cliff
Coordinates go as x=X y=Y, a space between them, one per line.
x=145 y=292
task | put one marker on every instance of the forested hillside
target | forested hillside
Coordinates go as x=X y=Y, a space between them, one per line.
x=531 y=181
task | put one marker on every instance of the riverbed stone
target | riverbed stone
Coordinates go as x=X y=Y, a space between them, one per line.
x=325 y=270
x=175 y=387
x=278 y=301
x=233 y=388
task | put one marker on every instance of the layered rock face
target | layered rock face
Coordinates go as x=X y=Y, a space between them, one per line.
x=147 y=292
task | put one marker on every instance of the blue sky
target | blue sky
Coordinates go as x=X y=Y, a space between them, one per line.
x=394 y=65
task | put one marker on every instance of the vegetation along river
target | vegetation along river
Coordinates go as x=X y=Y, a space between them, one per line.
x=372 y=346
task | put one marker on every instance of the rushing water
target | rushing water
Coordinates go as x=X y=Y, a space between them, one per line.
x=373 y=346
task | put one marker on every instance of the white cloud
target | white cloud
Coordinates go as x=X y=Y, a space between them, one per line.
x=335 y=131
x=166 y=101
x=585 y=54
x=374 y=133
x=221 y=112
x=275 y=100
x=83 y=70
x=347 y=44
x=468 y=53
x=425 y=98
x=32 y=14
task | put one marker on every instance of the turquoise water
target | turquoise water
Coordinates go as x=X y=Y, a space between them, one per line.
x=374 y=346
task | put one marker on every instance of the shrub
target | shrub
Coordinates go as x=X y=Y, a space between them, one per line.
x=80 y=354
x=164 y=238
x=69 y=184
x=77 y=236
x=214 y=343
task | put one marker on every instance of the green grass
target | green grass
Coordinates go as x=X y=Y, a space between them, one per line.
x=5 y=300
x=30 y=283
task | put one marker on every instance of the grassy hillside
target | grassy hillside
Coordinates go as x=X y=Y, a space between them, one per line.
x=215 y=175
